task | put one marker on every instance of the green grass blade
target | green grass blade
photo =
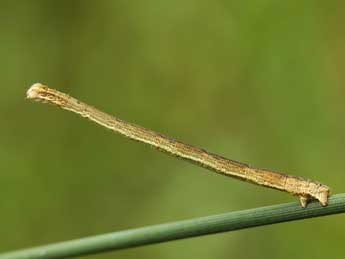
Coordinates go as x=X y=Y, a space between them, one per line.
x=181 y=229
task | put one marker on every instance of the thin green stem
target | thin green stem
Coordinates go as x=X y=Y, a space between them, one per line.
x=181 y=229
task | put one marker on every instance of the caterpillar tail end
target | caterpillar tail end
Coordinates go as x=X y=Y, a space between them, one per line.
x=322 y=197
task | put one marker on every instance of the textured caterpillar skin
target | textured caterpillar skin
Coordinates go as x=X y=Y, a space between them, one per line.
x=305 y=189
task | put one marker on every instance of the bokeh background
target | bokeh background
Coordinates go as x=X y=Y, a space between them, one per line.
x=261 y=82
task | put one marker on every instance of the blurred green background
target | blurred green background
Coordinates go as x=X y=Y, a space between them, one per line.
x=256 y=81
